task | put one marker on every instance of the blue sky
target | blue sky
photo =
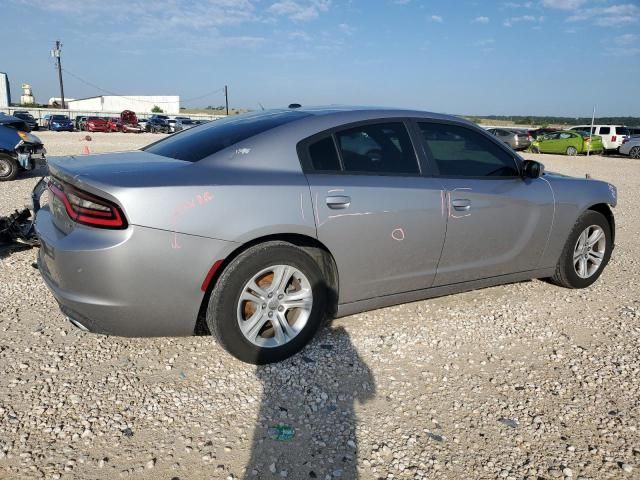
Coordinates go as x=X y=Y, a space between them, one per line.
x=555 y=57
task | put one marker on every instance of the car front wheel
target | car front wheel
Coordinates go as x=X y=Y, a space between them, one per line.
x=572 y=151
x=586 y=252
x=267 y=303
x=635 y=153
x=8 y=168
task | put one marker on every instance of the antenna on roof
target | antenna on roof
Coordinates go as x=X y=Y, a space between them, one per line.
x=261 y=106
x=294 y=105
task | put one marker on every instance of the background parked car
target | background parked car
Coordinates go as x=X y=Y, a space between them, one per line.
x=535 y=133
x=183 y=124
x=634 y=131
x=143 y=123
x=569 y=142
x=18 y=148
x=28 y=119
x=128 y=122
x=172 y=125
x=79 y=122
x=45 y=121
x=95 y=124
x=112 y=124
x=631 y=147
x=515 y=139
x=60 y=123
x=612 y=135
x=157 y=125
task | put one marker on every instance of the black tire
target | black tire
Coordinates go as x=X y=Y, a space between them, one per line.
x=635 y=152
x=222 y=309
x=535 y=150
x=8 y=168
x=565 y=275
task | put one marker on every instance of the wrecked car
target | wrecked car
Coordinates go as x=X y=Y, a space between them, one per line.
x=19 y=149
x=128 y=122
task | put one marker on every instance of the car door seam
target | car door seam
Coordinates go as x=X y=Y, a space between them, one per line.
x=553 y=220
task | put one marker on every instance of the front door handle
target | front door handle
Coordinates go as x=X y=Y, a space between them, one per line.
x=338 y=202
x=461 y=204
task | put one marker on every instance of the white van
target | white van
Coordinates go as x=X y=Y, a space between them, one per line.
x=612 y=135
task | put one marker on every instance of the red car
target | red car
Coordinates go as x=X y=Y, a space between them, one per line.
x=128 y=122
x=96 y=124
x=113 y=124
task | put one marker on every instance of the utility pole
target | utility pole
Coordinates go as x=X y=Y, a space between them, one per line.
x=55 y=53
x=226 y=99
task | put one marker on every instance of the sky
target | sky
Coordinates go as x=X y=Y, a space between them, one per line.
x=475 y=57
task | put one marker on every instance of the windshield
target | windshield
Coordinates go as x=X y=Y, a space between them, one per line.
x=28 y=116
x=197 y=143
x=59 y=117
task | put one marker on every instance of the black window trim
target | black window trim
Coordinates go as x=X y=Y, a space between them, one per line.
x=307 y=165
x=434 y=166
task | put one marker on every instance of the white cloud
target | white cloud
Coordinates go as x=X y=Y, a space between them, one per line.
x=611 y=16
x=518 y=5
x=626 y=39
x=563 y=4
x=523 y=19
x=481 y=20
x=300 y=10
x=437 y=18
x=401 y=2
x=299 y=35
x=346 y=29
x=484 y=42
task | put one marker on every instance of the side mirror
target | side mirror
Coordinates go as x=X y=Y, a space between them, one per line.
x=532 y=169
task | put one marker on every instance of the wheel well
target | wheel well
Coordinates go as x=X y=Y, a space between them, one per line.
x=605 y=210
x=319 y=252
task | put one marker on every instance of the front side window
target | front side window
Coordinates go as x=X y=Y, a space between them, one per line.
x=383 y=148
x=462 y=152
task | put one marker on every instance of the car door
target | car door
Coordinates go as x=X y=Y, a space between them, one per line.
x=498 y=222
x=553 y=144
x=380 y=217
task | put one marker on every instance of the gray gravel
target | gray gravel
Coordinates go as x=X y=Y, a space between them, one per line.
x=520 y=381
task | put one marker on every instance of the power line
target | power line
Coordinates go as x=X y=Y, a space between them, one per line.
x=136 y=99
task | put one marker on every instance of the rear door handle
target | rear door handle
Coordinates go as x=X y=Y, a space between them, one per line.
x=338 y=202
x=461 y=204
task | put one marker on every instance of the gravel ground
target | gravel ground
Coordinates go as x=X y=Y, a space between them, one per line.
x=520 y=381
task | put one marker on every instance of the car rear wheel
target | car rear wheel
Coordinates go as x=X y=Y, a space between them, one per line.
x=8 y=168
x=267 y=303
x=535 y=150
x=586 y=252
x=572 y=151
x=635 y=152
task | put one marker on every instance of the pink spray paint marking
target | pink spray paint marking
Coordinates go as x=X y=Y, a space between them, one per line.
x=182 y=209
x=398 y=234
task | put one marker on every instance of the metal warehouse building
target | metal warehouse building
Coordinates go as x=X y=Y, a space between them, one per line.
x=137 y=103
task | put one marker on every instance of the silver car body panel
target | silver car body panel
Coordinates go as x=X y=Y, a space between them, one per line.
x=398 y=239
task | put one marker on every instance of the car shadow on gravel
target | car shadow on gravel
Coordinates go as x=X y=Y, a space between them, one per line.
x=306 y=425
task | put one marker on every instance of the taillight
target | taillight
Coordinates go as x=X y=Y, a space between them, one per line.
x=613 y=138
x=88 y=209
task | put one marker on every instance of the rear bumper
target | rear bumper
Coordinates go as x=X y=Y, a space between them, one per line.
x=138 y=282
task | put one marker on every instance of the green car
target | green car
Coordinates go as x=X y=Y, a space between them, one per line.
x=570 y=142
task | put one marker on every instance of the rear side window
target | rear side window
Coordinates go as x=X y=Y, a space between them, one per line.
x=604 y=131
x=324 y=156
x=383 y=148
x=462 y=152
x=622 y=131
x=194 y=144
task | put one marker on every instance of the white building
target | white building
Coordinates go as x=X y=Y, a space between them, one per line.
x=115 y=104
x=5 y=92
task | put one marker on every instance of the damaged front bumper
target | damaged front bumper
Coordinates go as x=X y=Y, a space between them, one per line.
x=18 y=228
x=30 y=155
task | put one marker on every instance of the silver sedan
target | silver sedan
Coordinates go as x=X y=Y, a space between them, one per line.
x=631 y=147
x=258 y=227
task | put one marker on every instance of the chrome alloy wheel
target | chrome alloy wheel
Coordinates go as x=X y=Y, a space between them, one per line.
x=274 y=306
x=5 y=168
x=589 y=251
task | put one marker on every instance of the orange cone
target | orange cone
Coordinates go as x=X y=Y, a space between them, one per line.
x=85 y=151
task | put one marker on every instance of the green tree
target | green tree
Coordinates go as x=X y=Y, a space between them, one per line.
x=157 y=109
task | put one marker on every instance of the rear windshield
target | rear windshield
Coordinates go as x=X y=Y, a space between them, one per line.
x=197 y=143
x=622 y=131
